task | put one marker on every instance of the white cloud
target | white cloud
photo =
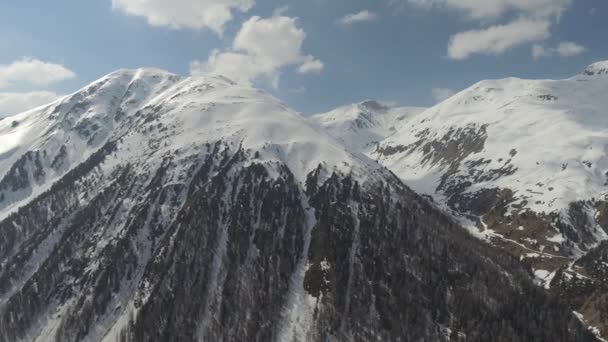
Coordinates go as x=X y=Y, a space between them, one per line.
x=569 y=49
x=563 y=49
x=495 y=40
x=189 y=14
x=311 y=66
x=494 y=9
x=15 y=103
x=237 y=66
x=533 y=23
x=33 y=72
x=441 y=94
x=363 y=16
x=276 y=40
x=262 y=47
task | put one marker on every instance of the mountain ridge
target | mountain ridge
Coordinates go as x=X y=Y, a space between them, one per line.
x=523 y=163
x=207 y=210
x=362 y=125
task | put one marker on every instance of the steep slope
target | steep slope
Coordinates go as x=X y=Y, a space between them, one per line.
x=210 y=211
x=38 y=147
x=523 y=160
x=362 y=125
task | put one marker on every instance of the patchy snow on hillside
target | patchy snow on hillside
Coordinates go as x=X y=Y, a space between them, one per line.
x=546 y=140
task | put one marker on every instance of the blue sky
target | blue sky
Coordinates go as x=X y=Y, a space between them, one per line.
x=399 y=51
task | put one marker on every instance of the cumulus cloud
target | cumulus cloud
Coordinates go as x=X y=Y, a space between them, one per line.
x=569 y=49
x=363 y=16
x=497 y=39
x=32 y=71
x=441 y=94
x=185 y=14
x=532 y=24
x=311 y=66
x=15 y=103
x=563 y=49
x=261 y=49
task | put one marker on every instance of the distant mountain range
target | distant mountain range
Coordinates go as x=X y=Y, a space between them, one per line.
x=523 y=164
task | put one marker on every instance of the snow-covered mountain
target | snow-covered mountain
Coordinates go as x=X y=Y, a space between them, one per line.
x=149 y=207
x=525 y=161
x=40 y=146
x=363 y=125
x=544 y=141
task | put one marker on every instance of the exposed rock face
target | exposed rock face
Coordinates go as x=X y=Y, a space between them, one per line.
x=597 y=69
x=239 y=256
x=584 y=285
x=211 y=212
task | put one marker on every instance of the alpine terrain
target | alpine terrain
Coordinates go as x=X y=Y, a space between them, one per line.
x=151 y=207
x=523 y=164
x=363 y=125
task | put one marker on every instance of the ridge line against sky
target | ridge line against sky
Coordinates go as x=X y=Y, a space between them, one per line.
x=314 y=55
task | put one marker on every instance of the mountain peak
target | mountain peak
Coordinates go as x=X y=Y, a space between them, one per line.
x=139 y=72
x=361 y=125
x=598 y=68
x=137 y=109
x=373 y=105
